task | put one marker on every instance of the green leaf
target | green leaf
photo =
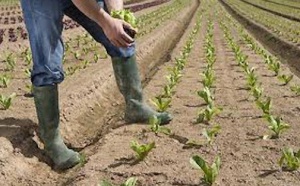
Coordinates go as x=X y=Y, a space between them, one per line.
x=199 y=163
x=130 y=182
x=285 y=79
x=142 y=150
x=105 y=183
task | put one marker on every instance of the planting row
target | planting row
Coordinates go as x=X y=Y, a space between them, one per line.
x=284 y=11
x=289 y=160
x=13 y=34
x=288 y=29
x=80 y=51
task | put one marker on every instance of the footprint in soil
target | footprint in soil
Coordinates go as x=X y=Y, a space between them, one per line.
x=20 y=132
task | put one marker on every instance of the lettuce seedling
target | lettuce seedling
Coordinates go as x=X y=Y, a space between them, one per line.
x=155 y=127
x=4 y=80
x=168 y=92
x=208 y=113
x=268 y=59
x=161 y=103
x=210 y=134
x=209 y=78
x=295 y=89
x=29 y=88
x=242 y=60
x=141 y=150
x=7 y=101
x=85 y=63
x=130 y=182
x=250 y=71
x=96 y=57
x=256 y=92
x=289 y=159
x=28 y=58
x=27 y=72
x=172 y=81
x=206 y=95
x=77 y=55
x=72 y=70
x=180 y=63
x=10 y=61
x=265 y=106
x=251 y=80
x=285 y=79
x=210 y=172
x=275 y=67
x=276 y=125
x=175 y=72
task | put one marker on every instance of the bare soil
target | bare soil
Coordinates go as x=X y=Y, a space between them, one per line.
x=288 y=52
x=87 y=111
x=92 y=121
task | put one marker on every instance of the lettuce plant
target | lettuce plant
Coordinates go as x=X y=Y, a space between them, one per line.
x=155 y=127
x=295 y=89
x=96 y=57
x=207 y=114
x=251 y=80
x=141 y=150
x=125 y=15
x=27 y=72
x=256 y=92
x=161 y=103
x=208 y=78
x=264 y=105
x=180 y=63
x=276 y=125
x=285 y=79
x=172 y=81
x=206 y=95
x=130 y=182
x=289 y=159
x=210 y=172
x=10 y=62
x=28 y=58
x=168 y=92
x=72 y=70
x=29 y=88
x=6 y=101
x=275 y=67
x=4 y=80
x=210 y=134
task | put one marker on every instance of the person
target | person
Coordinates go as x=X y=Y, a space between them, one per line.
x=43 y=20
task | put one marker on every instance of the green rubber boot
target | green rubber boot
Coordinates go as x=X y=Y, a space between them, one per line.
x=46 y=102
x=129 y=83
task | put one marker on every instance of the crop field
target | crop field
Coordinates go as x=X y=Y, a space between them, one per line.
x=227 y=70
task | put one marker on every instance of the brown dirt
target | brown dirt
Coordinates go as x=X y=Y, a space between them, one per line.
x=86 y=111
x=287 y=51
x=92 y=119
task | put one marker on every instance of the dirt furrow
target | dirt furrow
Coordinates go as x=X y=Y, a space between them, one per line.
x=252 y=161
x=83 y=109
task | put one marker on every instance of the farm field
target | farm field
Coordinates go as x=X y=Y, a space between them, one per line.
x=227 y=70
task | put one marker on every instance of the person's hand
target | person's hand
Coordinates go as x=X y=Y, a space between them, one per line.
x=114 y=30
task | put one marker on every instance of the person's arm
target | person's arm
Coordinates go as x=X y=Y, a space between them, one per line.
x=114 y=5
x=113 y=28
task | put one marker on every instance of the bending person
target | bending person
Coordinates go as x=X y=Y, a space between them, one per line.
x=43 y=21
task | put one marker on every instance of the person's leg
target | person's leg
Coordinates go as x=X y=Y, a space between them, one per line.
x=125 y=70
x=43 y=21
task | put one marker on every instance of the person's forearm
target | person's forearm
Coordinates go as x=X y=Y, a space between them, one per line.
x=92 y=10
x=114 y=5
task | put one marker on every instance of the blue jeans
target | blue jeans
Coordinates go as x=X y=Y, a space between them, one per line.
x=43 y=19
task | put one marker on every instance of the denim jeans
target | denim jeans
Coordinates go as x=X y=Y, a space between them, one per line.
x=43 y=19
